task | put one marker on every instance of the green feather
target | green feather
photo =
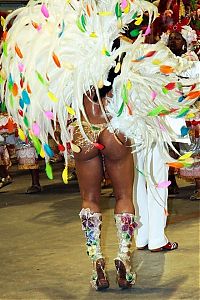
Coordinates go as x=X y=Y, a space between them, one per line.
x=49 y=172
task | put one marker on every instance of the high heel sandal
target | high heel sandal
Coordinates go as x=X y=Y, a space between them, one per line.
x=99 y=279
x=126 y=225
x=125 y=279
x=91 y=225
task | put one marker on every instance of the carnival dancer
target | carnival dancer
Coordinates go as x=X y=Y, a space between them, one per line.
x=71 y=43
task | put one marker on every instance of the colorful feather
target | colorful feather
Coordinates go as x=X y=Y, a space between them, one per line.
x=70 y=110
x=36 y=143
x=154 y=95
x=124 y=4
x=65 y=175
x=26 y=122
x=186 y=156
x=181 y=98
x=42 y=153
x=147 y=31
x=183 y=112
x=20 y=112
x=88 y=10
x=48 y=150
x=15 y=90
x=138 y=20
x=18 y=51
x=56 y=60
x=5 y=48
x=44 y=11
x=118 y=11
x=25 y=97
x=184 y=130
x=124 y=94
x=49 y=172
x=61 y=147
x=49 y=115
x=166 y=69
x=170 y=86
x=52 y=97
x=176 y=165
x=134 y=32
x=163 y=184
x=193 y=95
x=156 y=111
x=21 y=134
x=20 y=67
x=62 y=30
x=120 y=110
x=41 y=79
x=36 y=129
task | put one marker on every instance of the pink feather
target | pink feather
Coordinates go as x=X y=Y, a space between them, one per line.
x=44 y=11
x=49 y=115
x=123 y=4
x=36 y=129
x=148 y=31
x=153 y=95
x=163 y=184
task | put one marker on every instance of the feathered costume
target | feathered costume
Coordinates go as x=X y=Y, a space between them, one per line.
x=57 y=50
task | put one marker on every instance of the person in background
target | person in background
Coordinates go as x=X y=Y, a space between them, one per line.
x=28 y=160
x=25 y=153
x=192 y=173
x=5 y=163
x=180 y=41
x=150 y=200
x=7 y=128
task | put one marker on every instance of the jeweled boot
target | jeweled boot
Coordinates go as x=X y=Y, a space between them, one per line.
x=91 y=225
x=125 y=228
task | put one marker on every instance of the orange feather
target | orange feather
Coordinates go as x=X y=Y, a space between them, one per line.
x=15 y=90
x=166 y=69
x=4 y=36
x=88 y=10
x=193 y=95
x=29 y=89
x=56 y=60
x=18 y=51
x=177 y=165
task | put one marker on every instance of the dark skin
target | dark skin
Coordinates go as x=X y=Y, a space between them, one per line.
x=177 y=43
x=118 y=161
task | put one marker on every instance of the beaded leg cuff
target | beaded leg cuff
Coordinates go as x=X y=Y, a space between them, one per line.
x=91 y=225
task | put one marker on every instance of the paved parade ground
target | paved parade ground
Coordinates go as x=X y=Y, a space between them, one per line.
x=43 y=253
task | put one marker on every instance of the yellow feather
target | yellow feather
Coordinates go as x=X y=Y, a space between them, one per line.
x=52 y=97
x=105 y=13
x=185 y=156
x=21 y=134
x=65 y=175
x=70 y=110
x=3 y=21
x=42 y=153
x=138 y=20
x=129 y=85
